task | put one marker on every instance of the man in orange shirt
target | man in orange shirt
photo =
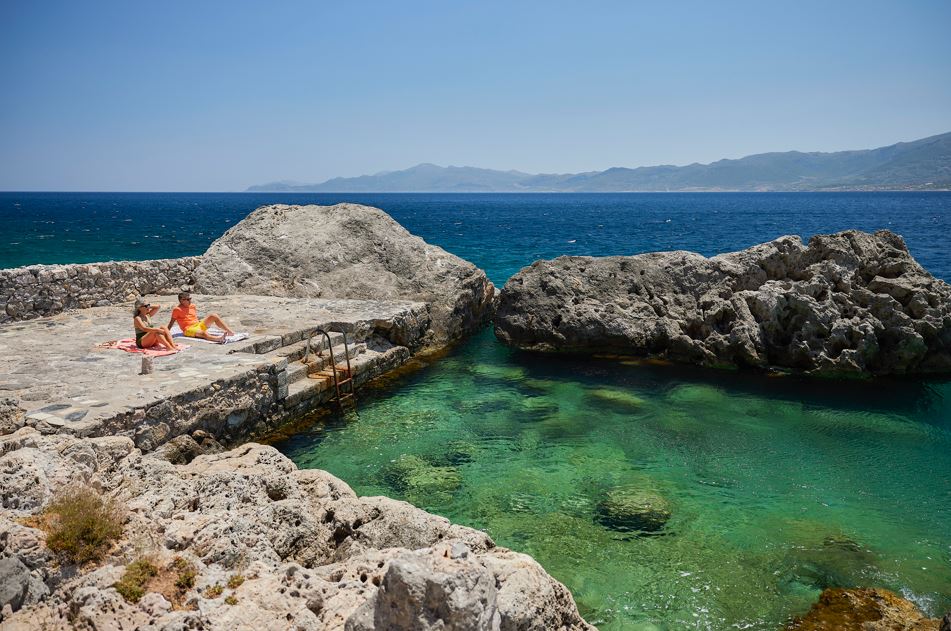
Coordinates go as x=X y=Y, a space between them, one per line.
x=187 y=317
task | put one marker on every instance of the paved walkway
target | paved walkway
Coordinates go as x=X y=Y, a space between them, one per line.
x=60 y=375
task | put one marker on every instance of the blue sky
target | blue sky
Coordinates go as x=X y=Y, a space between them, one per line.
x=216 y=96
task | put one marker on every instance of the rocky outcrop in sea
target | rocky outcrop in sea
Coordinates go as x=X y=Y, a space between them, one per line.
x=346 y=251
x=245 y=540
x=845 y=303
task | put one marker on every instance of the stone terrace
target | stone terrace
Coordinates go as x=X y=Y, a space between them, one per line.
x=66 y=383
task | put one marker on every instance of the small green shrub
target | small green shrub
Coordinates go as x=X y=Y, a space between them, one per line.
x=81 y=524
x=186 y=573
x=235 y=581
x=136 y=577
x=231 y=600
x=213 y=591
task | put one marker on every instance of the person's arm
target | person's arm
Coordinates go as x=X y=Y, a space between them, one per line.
x=171 y=320
x=155 y=309
x=140 y=325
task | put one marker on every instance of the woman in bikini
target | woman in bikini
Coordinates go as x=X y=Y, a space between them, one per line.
x=148 y=335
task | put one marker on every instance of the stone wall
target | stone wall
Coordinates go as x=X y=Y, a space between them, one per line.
x=44 y=290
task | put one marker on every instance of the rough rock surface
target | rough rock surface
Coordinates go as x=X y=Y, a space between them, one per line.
x=850 y=302
x=863 y=610
x=311 y=553
x=346 y=251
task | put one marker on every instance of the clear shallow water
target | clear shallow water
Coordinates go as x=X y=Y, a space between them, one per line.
x=777 y=487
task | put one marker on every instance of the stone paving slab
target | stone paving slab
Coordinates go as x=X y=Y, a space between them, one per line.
x=60 y=375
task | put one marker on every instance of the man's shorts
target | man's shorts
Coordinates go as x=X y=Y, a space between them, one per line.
x=195 y=329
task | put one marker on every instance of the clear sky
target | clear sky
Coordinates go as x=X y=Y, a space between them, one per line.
x=216 y=96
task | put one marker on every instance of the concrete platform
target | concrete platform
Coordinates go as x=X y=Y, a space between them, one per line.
x=65 y=381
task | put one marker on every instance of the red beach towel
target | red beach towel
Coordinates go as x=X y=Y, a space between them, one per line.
x=128 y=345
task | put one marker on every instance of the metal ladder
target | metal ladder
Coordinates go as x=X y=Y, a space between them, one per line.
x=341 y=376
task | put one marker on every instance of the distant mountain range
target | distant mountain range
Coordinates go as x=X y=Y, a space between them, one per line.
x=919 y=165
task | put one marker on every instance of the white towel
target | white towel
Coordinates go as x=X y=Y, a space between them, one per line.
x=176 y=331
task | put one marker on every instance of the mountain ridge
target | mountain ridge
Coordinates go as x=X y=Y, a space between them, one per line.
x=923 y=164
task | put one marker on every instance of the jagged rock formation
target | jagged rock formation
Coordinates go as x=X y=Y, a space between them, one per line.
x=309 y=552
x=346 y=251
x=850 y=302
x=864 y=610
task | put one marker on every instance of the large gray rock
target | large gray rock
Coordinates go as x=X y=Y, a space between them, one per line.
x=850 y=302
x=346 y=251
x=313 y=555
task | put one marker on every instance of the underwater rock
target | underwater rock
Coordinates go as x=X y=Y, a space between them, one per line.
x=346 y=251
x=863 y=610
x=617 y=398
x=629 y=508
x=501 y=373
x=835 y=562
x=412 y=475
x=847 y=303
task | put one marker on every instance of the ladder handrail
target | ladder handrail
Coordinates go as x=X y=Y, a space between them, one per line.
x=333 y=361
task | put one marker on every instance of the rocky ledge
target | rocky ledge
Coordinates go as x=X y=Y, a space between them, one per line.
x=846 y=303
x=245 y=540
x=346 y=251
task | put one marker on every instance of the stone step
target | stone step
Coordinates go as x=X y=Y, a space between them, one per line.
x=319 y=382
x=318 y=343
x=290 y=345
x=318 y=363
x=297 y=370
x=304 y=389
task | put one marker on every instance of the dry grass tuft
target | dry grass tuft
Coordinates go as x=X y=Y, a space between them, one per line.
x=235 y=581
x=80 y=524
x=136 y=578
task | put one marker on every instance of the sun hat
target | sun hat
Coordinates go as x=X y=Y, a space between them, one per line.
x=139 y=302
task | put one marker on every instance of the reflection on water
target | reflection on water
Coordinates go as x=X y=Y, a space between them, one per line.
x=667 y=498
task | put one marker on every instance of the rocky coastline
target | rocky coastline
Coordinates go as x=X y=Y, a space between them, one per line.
x=308 y=552
x=850 y=303
x=242 y=539
x=205 y=537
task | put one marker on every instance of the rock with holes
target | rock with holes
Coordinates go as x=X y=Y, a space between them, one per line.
x=863 y=610
x=346 y=251
x=244 y=540
x=846 y=303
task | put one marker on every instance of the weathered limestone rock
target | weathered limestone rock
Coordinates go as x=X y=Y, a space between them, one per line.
x=11 y=415
x=850 y=302
x=863 y=610
x=346 y=251
x=310 y=553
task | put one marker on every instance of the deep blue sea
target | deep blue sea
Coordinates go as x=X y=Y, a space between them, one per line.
x=498 y=232
x=777 y=487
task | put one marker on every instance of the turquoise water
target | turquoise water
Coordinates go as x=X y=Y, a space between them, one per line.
x=777 y=487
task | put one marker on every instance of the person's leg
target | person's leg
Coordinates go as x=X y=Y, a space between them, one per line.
x=149 y=340
x=205 y=335
x=212 y=318
x=167 y=339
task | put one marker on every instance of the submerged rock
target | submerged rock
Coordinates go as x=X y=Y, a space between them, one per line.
x=419 y=479
x=617 y=398
x=346 y=251
x=851 y=302
x=833 y=562
x=629 y=508
x=863 y=610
